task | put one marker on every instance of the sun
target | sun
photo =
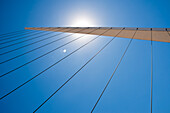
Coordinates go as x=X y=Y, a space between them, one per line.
x=82 y=22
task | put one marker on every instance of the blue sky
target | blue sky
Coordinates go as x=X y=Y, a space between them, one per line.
x=129 y=90
x=134 y=13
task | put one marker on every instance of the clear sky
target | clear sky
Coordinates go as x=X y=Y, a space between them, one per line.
x=129 y=90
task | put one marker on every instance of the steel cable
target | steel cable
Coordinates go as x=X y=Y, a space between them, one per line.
x=77 y=71
x=26 y=40
x=48 y=68
x=10 y=33
x=19 y=38
x=20 y=34
x=151 y=70
x=39 y=46
x=29 y=44
x=114 y=71
x=41 y=56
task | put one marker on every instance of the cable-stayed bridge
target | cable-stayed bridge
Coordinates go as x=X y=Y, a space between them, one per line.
x=40 y=34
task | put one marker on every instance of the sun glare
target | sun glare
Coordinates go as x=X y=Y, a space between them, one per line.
x=82 y=22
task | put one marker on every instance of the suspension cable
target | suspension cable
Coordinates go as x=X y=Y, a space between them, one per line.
x=114 y=71
x=29 y=39
x=30 y=31
x=19 y=34
x=43 y=55
x=33 y=43
x=49 y=67
x=10 y=33
x=46 y=29
x=77 y=71
x=38 y=47
x=21 y=38
x=151 y=70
